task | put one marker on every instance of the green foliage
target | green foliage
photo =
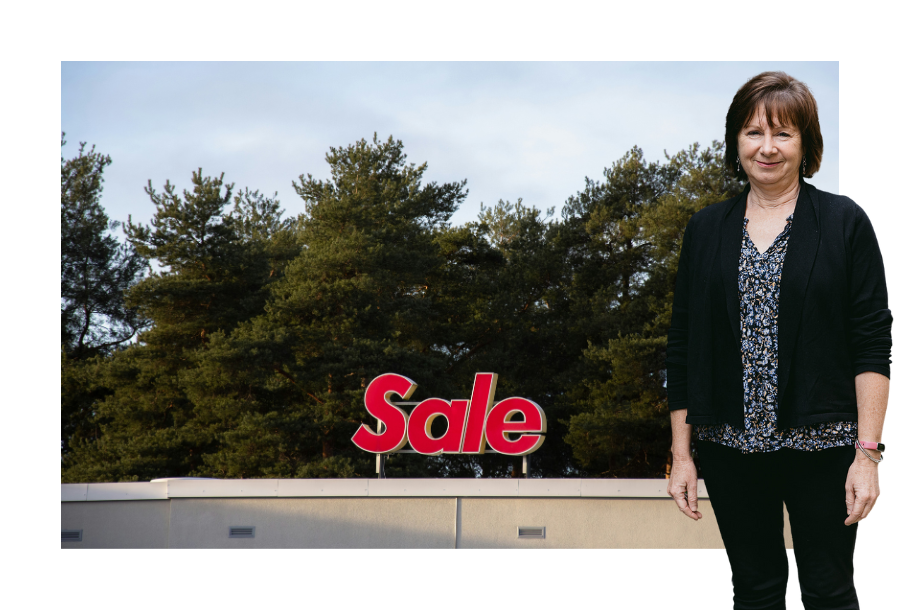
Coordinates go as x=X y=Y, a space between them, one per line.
x=216 y=267
x=505 y=308
x=202 y=286
x=266 y=331
x=635 y=222
x=287 y=387
x=96 y=271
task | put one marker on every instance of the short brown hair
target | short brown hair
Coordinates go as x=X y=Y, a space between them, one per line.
x=785 y=97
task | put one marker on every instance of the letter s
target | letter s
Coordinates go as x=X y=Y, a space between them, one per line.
x=379 y=406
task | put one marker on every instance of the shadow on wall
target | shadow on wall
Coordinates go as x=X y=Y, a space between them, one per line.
x=602 y=523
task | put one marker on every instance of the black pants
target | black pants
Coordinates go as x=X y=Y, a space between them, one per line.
x=747 y=492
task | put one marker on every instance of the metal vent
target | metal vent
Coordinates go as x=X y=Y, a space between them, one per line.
x=242 y=531
x=71 y=535
x=532 y=532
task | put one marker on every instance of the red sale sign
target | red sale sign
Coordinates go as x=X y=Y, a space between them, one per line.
x=470 y=423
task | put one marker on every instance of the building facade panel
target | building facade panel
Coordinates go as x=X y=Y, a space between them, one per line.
x=396 y=513
x=311 y=523
x=117 y=524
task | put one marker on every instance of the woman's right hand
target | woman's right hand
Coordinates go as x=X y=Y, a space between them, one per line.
x=683 y=487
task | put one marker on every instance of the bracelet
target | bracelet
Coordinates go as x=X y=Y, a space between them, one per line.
x=870 y=445
x=867 y=453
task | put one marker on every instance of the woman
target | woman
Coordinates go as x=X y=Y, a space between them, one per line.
x=779 y=355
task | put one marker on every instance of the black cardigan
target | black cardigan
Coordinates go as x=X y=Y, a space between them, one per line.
x=833 y=319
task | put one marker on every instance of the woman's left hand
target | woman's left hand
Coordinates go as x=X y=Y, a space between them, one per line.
x=861 y=489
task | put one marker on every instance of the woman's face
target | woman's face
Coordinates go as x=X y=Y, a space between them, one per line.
x=770 y=154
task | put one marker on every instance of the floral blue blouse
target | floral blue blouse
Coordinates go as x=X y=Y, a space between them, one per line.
x=759 y=280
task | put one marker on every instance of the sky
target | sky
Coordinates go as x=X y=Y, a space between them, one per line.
x=533 y=130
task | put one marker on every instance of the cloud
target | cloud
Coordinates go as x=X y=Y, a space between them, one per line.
x=531 y=130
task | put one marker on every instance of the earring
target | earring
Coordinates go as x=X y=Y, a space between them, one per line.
x=738 y=163
x=804 y=165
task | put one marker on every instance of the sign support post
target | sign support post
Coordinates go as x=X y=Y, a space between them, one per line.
x=379 y=463
x=379 y=457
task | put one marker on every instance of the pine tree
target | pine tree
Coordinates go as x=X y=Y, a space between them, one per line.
x=212 y=275
x=501 y=289
x=96 y=270
x=636 y=221
x=354 y=303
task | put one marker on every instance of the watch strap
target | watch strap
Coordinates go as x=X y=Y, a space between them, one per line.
x=871 y=445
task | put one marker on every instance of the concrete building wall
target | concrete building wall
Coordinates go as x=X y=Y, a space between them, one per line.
x=314 y=523
x=402 y=514
x=118 y=525
x=593 y=523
